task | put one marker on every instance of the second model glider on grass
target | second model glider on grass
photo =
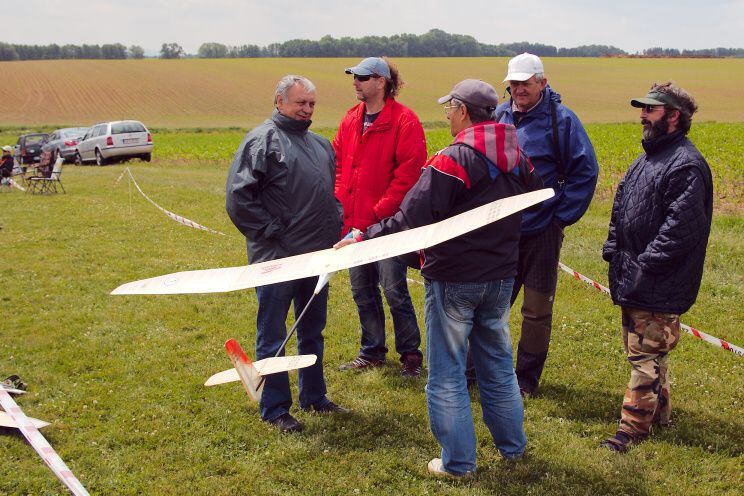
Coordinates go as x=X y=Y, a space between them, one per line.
x=252 y=374
x=327 y=261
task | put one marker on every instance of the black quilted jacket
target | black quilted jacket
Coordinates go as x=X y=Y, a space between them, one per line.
x=659 y=227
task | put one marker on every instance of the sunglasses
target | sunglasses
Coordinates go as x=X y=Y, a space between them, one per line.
x=650 y=109
x=365 y=78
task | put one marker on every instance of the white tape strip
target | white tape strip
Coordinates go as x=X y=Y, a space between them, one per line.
x=181 y=220
x=691 y=330
x=41 y=445
x=15 y=184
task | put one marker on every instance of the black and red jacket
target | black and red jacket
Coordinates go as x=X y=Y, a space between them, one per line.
x=483 y=164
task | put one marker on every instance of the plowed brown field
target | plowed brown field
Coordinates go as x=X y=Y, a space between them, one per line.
x=219 y=93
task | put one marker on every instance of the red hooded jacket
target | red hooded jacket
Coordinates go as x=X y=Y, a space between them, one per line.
x=374 y=171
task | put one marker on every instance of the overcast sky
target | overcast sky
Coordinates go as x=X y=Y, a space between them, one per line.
x=630 y=24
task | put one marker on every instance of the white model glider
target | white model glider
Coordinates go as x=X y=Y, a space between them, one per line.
x=7 y=421
x=251 y=374
x=30 y=431
x=330 y=260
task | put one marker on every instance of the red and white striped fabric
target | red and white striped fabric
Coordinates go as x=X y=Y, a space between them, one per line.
x=41 y=445
x=691 y=330
x=15 y=184
x=181 y=220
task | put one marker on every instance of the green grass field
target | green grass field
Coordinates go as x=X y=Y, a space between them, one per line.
x=120 y=378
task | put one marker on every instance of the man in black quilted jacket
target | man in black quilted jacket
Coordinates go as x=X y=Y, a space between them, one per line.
x=656 y=244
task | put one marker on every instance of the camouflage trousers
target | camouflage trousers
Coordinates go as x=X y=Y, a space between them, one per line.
x=647 y=337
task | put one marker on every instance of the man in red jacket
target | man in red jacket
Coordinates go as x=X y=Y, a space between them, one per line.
x=380 y=150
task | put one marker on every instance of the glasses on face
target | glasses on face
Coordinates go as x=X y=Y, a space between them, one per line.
x=650 y=109
x=448 y=109
x=362 y=79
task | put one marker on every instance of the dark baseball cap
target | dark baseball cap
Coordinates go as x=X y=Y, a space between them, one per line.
x=474 y=92
x=656 y=98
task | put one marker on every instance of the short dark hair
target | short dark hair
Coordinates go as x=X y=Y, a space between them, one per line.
x=476 y=114
x=395 y=83
x=687 y=105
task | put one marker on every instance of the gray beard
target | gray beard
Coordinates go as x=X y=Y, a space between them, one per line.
x=658 y=128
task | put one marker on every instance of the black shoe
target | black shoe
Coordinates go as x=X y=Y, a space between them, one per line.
x=411 y=365
x=620 y=443
x=362 y=363
x=286 y=423
x=327 y=406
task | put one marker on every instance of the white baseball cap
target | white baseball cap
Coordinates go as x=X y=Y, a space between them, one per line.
x=524 y=66
x=6 y=148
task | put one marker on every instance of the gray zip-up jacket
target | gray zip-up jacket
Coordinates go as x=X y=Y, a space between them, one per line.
x=280 y=190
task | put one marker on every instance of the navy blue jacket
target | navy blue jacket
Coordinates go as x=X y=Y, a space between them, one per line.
x=535 y=135
x=659 y=227
x=280 y=190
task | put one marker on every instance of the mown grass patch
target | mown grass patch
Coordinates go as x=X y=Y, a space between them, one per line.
x=120 y=378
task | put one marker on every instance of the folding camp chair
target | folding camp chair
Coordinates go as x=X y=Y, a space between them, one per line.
x=46 y=185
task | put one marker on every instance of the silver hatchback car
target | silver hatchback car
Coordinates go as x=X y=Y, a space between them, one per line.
x=116 y=140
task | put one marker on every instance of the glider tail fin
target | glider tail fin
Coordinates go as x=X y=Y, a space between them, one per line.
x=246 y=371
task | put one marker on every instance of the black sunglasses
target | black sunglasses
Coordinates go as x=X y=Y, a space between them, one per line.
x=650 y=109
x=365 y=78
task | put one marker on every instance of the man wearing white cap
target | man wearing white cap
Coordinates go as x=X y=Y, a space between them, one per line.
x=469 y=279
x=380 y=149
x=553 y=137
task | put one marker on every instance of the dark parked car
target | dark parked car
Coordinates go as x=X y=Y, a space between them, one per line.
x=28 y=147
x=62 y=143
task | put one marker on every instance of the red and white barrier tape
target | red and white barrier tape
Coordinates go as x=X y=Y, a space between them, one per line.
x=41 y=445
x=698 y=334
x=181 y=220
x=15 y=184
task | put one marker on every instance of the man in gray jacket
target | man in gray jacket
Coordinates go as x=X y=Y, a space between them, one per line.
x=280 y=196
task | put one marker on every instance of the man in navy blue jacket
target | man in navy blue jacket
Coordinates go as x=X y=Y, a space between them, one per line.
x=562 y=154
x=656 y=245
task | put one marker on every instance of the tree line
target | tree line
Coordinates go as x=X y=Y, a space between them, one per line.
x=434 y=43
x=51 y=52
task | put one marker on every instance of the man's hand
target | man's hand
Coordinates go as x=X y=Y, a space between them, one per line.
x=344 y=242
x=348 y=239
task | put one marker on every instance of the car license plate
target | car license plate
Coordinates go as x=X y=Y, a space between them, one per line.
x=131 y=140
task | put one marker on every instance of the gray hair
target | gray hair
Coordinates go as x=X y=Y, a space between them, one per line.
x=539 y=76
x=285 y=83
x=476 y=114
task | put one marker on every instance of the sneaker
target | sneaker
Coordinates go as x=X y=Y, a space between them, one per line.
x=327 y=406
x=362 y=363
x=436 y=467
x=286 y=423
x=619 y=443
x=411 y=365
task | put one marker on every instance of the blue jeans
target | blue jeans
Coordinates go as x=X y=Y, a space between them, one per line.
x=271 y=329
x=365 y=281
x=458 y=313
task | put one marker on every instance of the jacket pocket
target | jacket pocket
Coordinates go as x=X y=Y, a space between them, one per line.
x=630 y=276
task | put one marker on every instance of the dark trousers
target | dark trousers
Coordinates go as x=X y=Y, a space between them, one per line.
x=538 y=273
x=273 y=305
x=366 y=280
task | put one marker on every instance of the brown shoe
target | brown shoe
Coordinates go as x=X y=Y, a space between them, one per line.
x=362 y=363
x=411 y=365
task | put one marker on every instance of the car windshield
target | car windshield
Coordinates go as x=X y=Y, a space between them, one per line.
x=35 y=140
x=127 y=127
x=76 y=132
